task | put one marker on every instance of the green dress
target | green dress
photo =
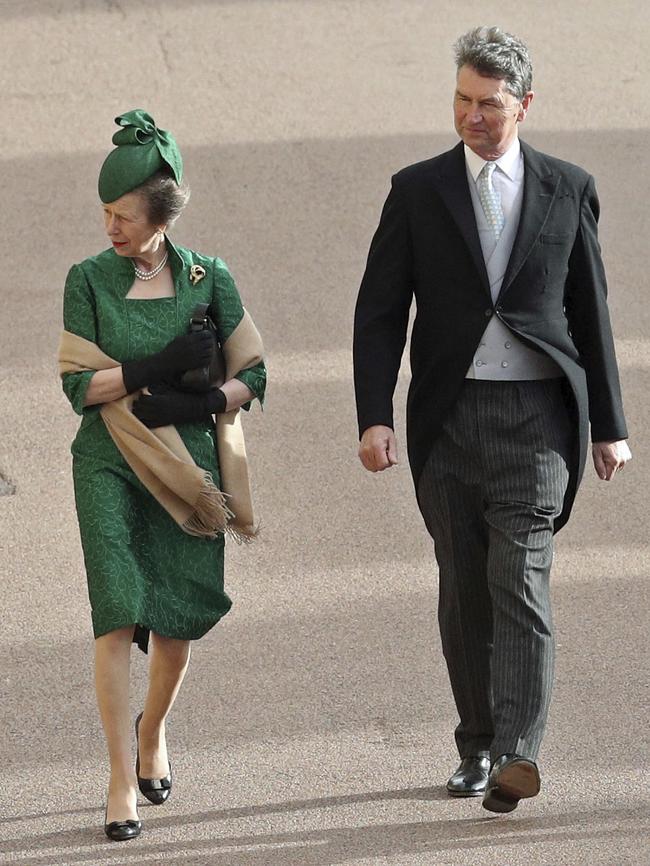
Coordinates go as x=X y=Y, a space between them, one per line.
x=142 y=569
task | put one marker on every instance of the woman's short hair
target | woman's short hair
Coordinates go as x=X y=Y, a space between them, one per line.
x=496 y=54
x=164 y=198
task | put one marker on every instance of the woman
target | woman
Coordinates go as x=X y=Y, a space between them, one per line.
x=149 y=483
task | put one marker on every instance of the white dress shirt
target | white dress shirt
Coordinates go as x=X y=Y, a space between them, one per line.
x=501 y=354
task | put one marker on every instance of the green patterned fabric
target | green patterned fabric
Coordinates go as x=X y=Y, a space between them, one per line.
x=141 y=150
x=141 y=567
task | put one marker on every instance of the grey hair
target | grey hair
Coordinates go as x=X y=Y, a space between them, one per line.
x=165 y=199
x=496 y=54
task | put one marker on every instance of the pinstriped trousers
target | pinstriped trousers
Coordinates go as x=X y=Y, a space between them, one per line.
x=489 y=493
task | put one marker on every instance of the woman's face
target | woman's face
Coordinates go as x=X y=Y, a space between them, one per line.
x=128 y=227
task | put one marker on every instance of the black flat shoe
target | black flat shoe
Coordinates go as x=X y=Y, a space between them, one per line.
x=512 y=778
x=470 y=779
x=157 y=791
x=122 y=831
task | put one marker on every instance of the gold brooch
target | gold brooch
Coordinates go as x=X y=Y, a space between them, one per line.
x=196 y=274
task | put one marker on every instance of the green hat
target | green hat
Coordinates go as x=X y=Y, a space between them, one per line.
x=142 y=150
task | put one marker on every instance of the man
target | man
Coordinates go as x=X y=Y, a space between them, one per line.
x=512 y=358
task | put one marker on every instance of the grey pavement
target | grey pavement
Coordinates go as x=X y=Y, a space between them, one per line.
x=315 y=726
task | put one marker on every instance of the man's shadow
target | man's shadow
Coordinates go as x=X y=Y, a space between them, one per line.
x=336 y=844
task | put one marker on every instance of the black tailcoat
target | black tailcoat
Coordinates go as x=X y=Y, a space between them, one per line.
x=554 y=297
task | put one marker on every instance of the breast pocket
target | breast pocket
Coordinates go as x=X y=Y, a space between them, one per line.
x=556 y=238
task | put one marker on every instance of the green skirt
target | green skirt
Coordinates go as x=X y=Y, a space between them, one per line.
x=142 y=569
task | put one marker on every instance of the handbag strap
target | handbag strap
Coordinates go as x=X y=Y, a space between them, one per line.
x=199 y=317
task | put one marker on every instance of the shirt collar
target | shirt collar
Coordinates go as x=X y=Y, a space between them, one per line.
x=508 y=162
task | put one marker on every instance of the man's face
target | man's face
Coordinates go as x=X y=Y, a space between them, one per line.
x=485 y=114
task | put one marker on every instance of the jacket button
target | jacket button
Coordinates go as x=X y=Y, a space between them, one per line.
x=508 y=345
x=488 y=313
x=504 y=363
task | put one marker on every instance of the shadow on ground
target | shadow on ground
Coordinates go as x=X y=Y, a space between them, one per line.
x=315 y=677
x=325 y=847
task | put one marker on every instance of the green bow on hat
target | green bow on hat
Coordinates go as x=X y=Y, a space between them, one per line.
x=141 y=150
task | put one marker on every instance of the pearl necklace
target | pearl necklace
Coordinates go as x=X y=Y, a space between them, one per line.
x=149 y=275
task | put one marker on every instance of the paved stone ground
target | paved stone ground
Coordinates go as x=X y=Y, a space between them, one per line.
x=315 y=725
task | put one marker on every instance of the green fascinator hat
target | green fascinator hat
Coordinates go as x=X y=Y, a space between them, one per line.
x=141 y=149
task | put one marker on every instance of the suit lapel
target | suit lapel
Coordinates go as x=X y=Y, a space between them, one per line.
x=540 y=189
x=452 y=186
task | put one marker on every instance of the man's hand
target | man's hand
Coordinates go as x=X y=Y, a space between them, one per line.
x=609 y=458
x=378 y=448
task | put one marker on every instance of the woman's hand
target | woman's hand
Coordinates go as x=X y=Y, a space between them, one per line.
x=186 y=352
x=168 y=406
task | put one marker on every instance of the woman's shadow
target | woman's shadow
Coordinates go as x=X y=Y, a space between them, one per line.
x=332 y=845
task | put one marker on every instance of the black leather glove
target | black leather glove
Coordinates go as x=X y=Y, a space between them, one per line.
x=183 y=353
x=169 y=406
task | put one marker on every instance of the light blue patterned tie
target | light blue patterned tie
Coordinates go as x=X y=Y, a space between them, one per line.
x=490 y=199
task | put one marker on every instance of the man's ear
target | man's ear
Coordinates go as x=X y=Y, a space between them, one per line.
x=524 y=105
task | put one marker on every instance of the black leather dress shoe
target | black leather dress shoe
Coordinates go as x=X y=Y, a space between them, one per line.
x=157 y=791
x=121 y=831
x=512 y=778
x=470 y=778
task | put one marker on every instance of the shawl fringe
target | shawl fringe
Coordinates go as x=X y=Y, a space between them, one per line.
x=211 y=514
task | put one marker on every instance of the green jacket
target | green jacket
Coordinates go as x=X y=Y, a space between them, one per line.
x=94 y=307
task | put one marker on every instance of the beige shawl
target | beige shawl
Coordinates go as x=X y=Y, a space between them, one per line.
x=159 y=457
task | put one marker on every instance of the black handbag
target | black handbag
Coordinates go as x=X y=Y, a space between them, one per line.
x=214 y=374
